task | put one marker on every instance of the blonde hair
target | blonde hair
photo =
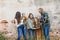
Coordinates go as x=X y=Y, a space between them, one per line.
x=24 y=19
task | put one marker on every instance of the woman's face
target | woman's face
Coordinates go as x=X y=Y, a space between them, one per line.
x=31 y=16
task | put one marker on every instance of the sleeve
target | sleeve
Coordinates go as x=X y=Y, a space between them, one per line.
x=46 y=18
x=28 y=23
x=42 y=19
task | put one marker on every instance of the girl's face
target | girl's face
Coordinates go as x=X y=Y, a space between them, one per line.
x=31 y=16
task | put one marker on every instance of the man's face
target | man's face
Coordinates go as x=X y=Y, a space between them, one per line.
x=40 y=10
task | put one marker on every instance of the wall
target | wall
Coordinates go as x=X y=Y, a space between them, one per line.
x=8 y=8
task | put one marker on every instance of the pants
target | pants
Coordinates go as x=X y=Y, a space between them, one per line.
x=46 y=30
x=32 y=34
x=21 y=31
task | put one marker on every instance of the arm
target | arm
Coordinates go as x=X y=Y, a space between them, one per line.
x=46 y=19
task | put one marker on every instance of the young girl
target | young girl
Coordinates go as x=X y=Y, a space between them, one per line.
x=30 y=26
x=24 y=22
x=20 y=25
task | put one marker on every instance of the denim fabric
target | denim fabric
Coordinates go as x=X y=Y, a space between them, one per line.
x=21 y=31
x=46 y=30
x=32 y=33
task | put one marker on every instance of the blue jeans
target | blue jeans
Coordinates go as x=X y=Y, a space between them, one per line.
x=21 y=31
x=32 y=33
x=46 y=30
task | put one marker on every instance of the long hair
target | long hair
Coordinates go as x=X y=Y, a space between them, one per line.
x=36 y=22
x=32 y=15
x=18 y=17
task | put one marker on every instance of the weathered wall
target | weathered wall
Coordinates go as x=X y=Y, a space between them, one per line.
x=53 y=8
x=8 y=9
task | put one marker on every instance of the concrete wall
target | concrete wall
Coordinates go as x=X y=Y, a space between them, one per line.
x=8 y=9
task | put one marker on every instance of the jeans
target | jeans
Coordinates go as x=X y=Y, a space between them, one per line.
x=21 y=31
x=32 y=34
x=46 y=30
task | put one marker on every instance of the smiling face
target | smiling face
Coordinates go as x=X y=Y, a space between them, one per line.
x=31 y=16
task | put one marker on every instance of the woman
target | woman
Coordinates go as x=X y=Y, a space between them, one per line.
x=20 y=25
x=24 y=22
x=30 y=26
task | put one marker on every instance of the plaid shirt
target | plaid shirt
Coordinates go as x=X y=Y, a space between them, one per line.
x=44 y=19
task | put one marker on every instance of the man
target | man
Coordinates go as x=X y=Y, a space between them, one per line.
x=45 y=23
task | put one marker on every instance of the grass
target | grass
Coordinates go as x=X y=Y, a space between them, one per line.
x=1 y=37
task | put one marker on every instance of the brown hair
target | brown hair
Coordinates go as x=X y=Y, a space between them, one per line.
x=32 y=15
x=36 y=23
x=24 y=19
x=18 y=17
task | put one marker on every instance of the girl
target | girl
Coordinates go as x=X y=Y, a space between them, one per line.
x=24 y=22
x=20 y=25
x=30 y=26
